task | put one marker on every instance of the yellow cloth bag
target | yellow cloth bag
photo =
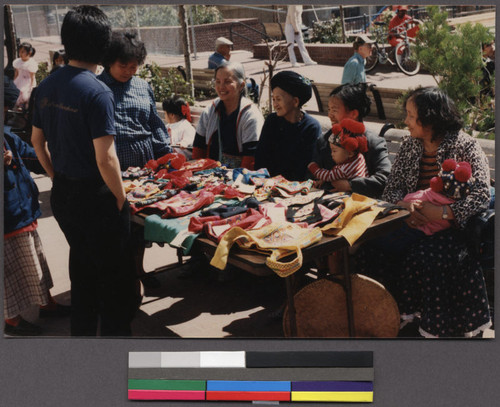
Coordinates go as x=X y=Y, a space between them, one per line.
x=277 y=239
x=358 y=214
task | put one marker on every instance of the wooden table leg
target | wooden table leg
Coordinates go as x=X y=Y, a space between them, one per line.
x=348 y=292
x=291 y=306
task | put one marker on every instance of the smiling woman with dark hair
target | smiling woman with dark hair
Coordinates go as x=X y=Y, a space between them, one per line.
x=437 y=284
x=288 y=139
x=141 y=135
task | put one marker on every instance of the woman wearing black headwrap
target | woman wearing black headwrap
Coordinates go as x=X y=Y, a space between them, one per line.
x=287 y=140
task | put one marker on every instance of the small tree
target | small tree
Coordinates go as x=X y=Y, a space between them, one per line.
x=327 y=32
x=453 y=57
x=164 y=86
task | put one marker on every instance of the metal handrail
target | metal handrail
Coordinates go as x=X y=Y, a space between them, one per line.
x=263 y=34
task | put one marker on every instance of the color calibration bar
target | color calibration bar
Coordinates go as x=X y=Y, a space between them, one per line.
x=231 y=376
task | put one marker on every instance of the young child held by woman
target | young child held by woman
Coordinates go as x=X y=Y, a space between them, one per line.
x=24 y=77
x=452 y=183
x=347 y=143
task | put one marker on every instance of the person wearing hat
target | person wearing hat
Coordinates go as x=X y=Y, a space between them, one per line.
x=354 y=69
x=27 y=278
x=398 y=23
x=293 y=34
x=222 y=53
x=289 y=135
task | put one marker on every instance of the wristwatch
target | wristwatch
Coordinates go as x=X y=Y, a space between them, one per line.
x=445 y=213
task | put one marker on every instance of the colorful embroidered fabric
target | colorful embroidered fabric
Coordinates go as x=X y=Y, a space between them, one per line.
x=289 y=188
x=300 y=199
x=174 y=231
x=249 y=175
x=184 y=203
x=216 y=226
x=135 y=172
x=139 y=205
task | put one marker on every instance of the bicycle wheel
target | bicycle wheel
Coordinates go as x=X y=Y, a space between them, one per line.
x=405 y=59
x=372 y=60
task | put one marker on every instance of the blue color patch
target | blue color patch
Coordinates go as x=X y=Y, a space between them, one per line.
x=230 y=385
x=331 y=386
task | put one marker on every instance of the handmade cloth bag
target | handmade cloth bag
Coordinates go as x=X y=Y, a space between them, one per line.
x=277 y=239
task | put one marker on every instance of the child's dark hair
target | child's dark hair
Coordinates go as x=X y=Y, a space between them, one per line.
x=28 y=48
x=58 y=54
x=85 y=34
x=124 y=47
x=435 y=109
x=174 y=105
x=354 y=97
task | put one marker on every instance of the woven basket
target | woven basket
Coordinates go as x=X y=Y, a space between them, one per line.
x=321 y=310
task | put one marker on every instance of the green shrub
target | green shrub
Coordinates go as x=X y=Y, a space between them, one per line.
x=43 y=71
x=327 y=32
x=206 y=15
x=165 y=86
x=453 y=57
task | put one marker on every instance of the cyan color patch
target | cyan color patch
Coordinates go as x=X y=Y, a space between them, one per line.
x=223 y=385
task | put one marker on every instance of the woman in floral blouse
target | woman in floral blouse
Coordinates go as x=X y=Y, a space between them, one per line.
x=439 y=287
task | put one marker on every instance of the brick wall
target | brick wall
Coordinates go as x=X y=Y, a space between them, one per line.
x=168 y=40
x=207 y=33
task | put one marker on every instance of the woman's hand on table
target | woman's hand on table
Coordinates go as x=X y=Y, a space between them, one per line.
x=318 y=183
x=416 y=218
x=341 y=185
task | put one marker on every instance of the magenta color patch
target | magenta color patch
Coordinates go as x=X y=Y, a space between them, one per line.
x=165 y=395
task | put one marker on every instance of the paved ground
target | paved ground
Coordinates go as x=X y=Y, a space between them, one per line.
x=202 y=306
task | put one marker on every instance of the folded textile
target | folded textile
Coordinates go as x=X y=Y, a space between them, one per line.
x=248 y=175
x=289 y=188
x=184 y=203
x=251 y=219
x=161 y=230
x=358 y=214
x=277 y=239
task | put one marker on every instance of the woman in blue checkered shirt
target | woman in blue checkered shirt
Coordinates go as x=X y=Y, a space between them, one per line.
x=141 y=135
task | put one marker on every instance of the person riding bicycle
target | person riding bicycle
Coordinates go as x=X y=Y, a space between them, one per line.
x=398 y=25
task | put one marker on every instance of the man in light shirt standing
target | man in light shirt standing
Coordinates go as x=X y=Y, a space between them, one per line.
x=293 y=33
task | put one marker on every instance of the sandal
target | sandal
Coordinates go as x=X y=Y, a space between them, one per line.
x=23 y=328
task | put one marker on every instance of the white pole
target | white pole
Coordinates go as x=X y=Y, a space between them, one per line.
x=192 y=31
x=29 y=21
x=137 y=23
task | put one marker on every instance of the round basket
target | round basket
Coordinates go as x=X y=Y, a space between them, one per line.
x=321 y=310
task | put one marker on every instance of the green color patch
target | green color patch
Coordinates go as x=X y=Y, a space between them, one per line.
x=135 y=384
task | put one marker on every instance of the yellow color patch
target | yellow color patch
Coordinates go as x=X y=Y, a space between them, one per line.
x=353 y=396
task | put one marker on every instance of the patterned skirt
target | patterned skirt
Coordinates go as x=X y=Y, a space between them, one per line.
x=26 y=274
x=434 y=279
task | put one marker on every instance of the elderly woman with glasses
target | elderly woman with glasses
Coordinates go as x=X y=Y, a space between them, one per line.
x=229 y=128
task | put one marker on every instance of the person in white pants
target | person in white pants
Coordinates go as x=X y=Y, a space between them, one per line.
x=293 y=33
